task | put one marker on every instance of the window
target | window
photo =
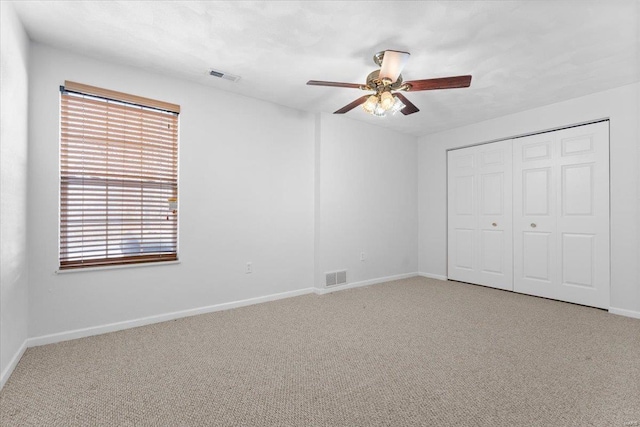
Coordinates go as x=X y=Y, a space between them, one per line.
x=118 y=178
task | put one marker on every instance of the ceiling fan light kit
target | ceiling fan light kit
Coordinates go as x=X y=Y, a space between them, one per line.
x=383 y=105
x=386 y=80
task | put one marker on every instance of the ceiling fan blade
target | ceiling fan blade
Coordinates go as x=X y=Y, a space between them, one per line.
x=334 y=84
x=441 y=83
x=409 y=107
x=393 y=62
x=353 y=105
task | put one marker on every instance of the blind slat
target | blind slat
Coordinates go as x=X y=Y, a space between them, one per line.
x=118 y=170
x=97 y=151
x=101 y=119
x=90 y=128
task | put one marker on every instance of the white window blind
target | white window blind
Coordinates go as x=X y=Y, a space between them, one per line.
x=118 y=175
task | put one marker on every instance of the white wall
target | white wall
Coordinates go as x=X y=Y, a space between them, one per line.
x=14 y=48
x=246 y=181
x=367 y=200
x=291 y=192
x=622 y=107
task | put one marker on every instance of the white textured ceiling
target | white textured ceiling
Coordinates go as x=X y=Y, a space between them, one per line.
x=522 y=54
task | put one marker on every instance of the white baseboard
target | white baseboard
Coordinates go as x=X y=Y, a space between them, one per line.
x=322 y=291
x=12 y=365
x=433 y=276
x=118 y=326
x=624 y=312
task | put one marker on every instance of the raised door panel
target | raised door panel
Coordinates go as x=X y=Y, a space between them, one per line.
x=536 y=256
x=492 y=156
x=536 y=191
x=464 y=195
x=492 y=250
x=578 y=259
x=492 y=194
x=464 y=244
x=578 y=145
x=538 y=150
x=577 y=189
x=463 y=161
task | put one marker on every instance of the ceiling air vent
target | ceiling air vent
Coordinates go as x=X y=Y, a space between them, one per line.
x=223 y=75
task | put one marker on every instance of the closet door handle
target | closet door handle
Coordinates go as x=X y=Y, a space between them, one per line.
x=494 y=224
x=533 y=225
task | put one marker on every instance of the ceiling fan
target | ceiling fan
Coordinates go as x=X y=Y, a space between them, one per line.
x=386 y=84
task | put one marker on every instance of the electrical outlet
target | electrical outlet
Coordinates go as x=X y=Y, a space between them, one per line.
x=362 y=256
x=249 y=268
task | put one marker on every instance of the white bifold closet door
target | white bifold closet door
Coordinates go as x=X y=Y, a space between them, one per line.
x=480 y=217
x=561 y=214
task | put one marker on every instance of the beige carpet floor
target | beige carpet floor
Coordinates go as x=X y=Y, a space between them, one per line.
x=413 y=352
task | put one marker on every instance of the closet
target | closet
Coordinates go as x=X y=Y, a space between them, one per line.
x=531 y=214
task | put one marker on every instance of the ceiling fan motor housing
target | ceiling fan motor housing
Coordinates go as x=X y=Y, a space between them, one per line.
x=378 y=85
